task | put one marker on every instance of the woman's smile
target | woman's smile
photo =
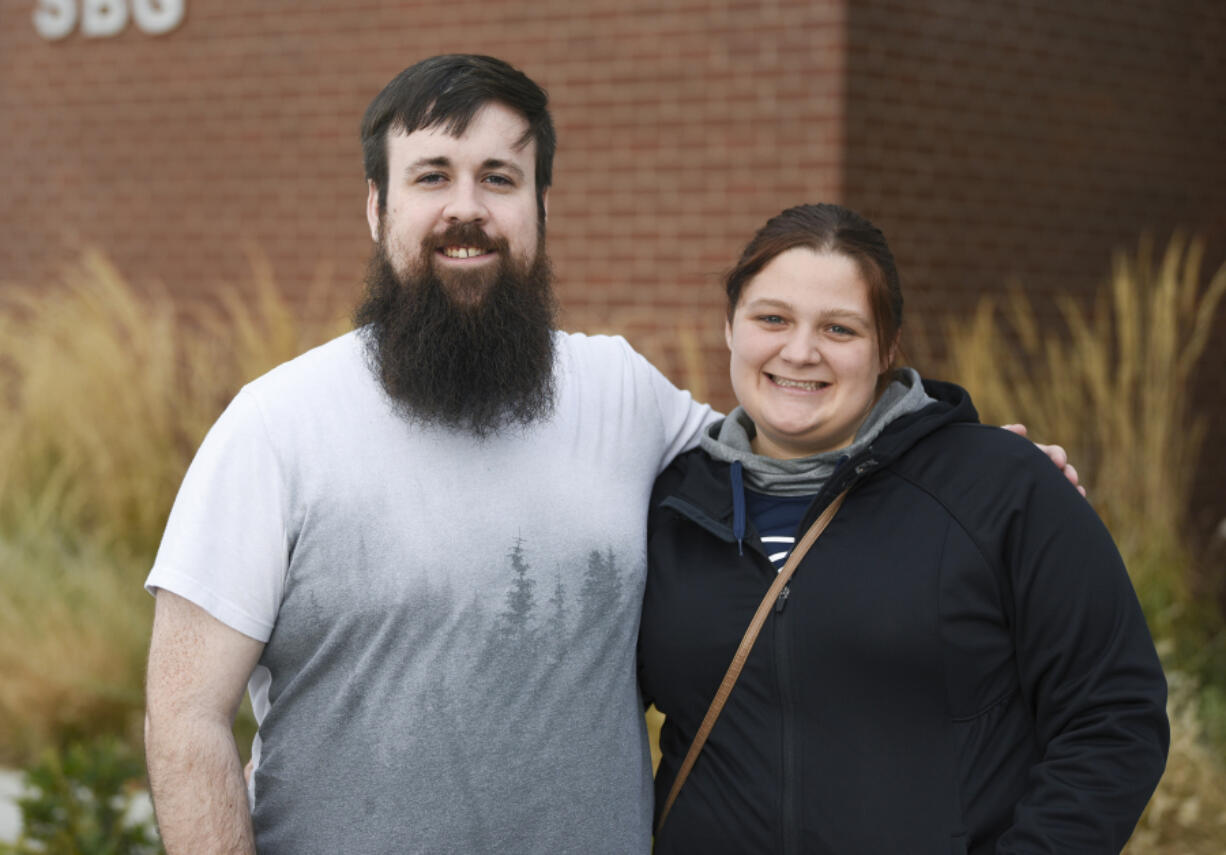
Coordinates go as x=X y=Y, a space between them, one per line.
x=799 y=385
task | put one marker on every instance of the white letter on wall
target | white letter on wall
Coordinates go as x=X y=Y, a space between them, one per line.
x=157 y=16
x=54 y=19
x=101 y=18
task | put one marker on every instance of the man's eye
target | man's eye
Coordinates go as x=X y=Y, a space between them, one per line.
x=770 y=319
x=500 y=180
x=431 y=178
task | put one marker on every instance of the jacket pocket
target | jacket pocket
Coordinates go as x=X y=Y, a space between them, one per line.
x=957 y=844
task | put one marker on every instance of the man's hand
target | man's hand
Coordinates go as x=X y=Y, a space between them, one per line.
x=1057 y=454
x=198 y=667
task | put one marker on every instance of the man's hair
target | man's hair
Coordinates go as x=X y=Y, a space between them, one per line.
x=447 y=91
x=837 y=230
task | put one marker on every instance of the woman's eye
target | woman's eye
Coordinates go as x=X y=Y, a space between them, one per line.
x=839 y=329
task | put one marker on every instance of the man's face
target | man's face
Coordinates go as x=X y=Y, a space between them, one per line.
x=459 y=309
x=465 y=200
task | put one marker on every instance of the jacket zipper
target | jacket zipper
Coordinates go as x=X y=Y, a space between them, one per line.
x=787 y=768
x=789 y=816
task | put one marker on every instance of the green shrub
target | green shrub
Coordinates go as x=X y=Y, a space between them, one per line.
x=80 y=802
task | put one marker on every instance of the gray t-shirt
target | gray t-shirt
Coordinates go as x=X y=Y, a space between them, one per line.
x=450 y=625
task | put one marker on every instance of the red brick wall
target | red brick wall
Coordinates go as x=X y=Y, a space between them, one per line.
x=997 y=142
x=682 y=126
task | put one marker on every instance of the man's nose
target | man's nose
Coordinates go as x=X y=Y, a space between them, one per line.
x=464 y=204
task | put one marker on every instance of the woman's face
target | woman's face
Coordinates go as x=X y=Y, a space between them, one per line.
x=804 y=353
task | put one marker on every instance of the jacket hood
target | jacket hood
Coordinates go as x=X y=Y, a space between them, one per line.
x=951 y=404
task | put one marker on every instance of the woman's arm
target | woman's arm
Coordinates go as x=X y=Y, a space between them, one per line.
x=1092 y=678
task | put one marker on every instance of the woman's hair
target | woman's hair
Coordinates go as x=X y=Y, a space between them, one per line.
x=833 y=229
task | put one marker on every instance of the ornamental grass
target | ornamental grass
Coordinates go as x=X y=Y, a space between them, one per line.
x=108 y=391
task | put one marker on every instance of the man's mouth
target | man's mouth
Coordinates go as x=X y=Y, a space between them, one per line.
x=464 y=251
x=804 y=385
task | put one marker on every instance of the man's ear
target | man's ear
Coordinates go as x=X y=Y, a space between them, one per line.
x=545 y=204
x=372 y=208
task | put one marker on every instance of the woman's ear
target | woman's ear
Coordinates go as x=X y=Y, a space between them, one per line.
x=728 y=333
x=895 y=352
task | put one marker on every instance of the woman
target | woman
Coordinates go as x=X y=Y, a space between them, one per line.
x=959 y=664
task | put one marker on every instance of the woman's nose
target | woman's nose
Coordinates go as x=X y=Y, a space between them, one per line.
x=801 y=348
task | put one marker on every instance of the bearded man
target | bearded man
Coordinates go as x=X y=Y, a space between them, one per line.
x=421 y=545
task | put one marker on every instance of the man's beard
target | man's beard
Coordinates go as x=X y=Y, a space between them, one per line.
x=478 y=363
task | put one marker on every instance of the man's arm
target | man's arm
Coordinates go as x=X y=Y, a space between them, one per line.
x=198 y=668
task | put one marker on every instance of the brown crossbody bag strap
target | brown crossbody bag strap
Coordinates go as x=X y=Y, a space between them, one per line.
x=742 y=652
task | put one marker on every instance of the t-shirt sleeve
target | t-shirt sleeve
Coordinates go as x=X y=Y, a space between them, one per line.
x=681 y=417
x=225 y=547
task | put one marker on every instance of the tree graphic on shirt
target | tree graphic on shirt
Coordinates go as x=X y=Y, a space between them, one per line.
x=525 y=625
x=515 y=622
x=601 y=592
x=559 y=619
